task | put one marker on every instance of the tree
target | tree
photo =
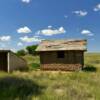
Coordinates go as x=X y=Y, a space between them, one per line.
x=21 y=53
x=31 y=49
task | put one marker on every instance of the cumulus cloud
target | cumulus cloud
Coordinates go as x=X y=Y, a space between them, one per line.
x=30 y=39
x=5 y=38
x=50 y=31
x=19 y=44
x=80 y=13
x=87 y=32
x=24 y=29
x=26 y=1
x=97 y=7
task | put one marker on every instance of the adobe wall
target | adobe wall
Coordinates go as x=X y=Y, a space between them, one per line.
x=16 y=62
x=73 y=60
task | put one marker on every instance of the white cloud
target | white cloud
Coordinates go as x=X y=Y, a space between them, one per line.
x=19 y=44
x=26 y=1
x=80 y=13
x=5 y=38
x=87 y=32
x=66 y=16
x=49 y=31
x=97 y=7
x=49 y=26
x=91 y=34
x=24 y=29
x=37 y=36
x=30 y=39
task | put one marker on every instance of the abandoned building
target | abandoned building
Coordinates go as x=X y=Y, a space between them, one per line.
x=10 y=61
x=67 y=55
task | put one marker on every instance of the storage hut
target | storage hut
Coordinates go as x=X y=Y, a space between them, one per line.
x=10 y=61
x=65 y=55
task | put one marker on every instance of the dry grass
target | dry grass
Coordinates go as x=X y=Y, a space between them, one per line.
x=41 y=85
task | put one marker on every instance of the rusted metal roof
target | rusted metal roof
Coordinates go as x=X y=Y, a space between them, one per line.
x=62 y=45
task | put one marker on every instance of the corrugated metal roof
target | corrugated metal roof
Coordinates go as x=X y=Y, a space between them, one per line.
x=59 y=45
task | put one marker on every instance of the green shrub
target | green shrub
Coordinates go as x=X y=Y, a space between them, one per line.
x=21 y=53
x=31 y=49
x=34 y=66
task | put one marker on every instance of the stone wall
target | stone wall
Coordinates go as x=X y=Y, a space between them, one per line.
x=63 y=67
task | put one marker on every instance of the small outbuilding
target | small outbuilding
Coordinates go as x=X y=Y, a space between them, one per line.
x=67 y=55
x=9 y=61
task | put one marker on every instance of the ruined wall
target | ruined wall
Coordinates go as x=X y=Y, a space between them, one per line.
x=16 y=62
x=73 y=60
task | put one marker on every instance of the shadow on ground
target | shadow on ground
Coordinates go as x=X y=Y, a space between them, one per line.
x=90 y=68
x=13 y=88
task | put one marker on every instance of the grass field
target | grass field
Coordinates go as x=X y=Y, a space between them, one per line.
x=40 y=85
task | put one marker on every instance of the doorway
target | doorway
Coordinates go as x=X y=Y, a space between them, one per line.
x=3 y=61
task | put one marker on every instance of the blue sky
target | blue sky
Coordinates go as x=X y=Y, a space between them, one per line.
x=27 y=22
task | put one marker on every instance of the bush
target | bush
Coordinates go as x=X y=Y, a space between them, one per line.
x=90 y=68
x=35 y=66
x=21 y=53
x=31 y=49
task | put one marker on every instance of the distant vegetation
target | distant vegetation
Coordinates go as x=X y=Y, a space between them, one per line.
x=31 y=49
x=28 y=50
x=21 y=53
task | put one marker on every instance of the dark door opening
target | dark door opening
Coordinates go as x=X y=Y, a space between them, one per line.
x=3 y=61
